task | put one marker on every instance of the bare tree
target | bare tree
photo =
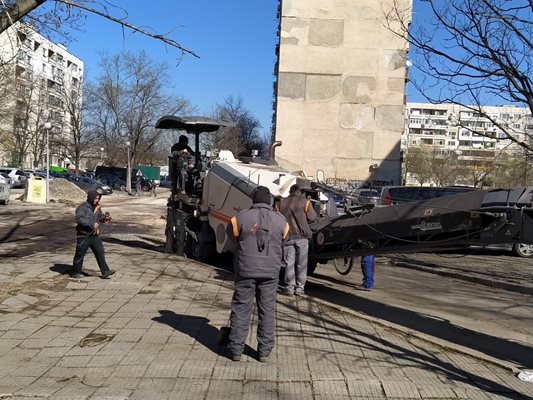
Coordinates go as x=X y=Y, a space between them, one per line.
x=51 y=17
x=514 y=170
x=444 y=166
x=241 y=139
x=471 y=52
x=417 y=163
x=124 y=104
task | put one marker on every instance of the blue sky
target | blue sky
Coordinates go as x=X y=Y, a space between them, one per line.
x=235 y=40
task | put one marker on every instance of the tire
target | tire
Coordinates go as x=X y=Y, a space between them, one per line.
x=343 y=265
x=523 y=250
x=171 y=234
x=201 y=248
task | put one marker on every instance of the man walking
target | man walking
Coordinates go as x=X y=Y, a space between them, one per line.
x=89 y=216
x=299 y=212
x=257 y=261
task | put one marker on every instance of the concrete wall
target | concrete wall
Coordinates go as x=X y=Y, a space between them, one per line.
x=340 y=89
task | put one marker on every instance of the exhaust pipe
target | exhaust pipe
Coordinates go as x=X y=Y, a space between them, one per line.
x=271 y=149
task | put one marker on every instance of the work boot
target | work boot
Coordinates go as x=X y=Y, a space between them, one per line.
x=265 y=357
x=108 y=273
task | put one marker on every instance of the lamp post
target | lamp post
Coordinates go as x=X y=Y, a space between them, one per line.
x=102 y=156
x=47 y=126
x=128 y=172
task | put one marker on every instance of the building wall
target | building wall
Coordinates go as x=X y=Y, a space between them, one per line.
x=340 y=90
x=49 y=73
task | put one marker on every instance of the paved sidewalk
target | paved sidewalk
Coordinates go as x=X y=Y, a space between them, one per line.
x=150 y=333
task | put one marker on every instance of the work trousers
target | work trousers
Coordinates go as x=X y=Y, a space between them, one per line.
x=367 y=268
x=264 y=291
x=295 y=253
x=83 y=243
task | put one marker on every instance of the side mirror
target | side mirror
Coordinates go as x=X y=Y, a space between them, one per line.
x=320 y=176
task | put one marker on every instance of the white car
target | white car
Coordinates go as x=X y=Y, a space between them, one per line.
x=5 y=179
x=18 y=177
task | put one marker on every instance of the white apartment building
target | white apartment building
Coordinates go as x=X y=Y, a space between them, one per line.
x=453 y=128
x=45 y=78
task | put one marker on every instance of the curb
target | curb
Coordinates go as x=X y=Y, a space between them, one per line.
x=422 y=336
x=470 y=278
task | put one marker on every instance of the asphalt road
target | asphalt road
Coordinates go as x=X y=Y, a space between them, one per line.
x=490 y=320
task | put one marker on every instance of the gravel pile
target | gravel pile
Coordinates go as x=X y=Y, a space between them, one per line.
x=63 y=191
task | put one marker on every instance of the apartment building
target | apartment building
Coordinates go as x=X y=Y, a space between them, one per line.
x=46 y=87
x=473 y=140
x=340 y=90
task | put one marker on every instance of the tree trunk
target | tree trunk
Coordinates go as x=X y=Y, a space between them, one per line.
x=16 y=11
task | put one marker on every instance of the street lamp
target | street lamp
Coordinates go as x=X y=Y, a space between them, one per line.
x=102 y=156
x=128 y=177
x=47 y=126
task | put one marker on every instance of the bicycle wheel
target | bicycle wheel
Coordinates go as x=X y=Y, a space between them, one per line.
x=343 y=265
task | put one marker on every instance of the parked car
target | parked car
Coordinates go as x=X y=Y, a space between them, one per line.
x=112 y=180
x=5 y=179
x=88 y=174
x=164 y=181
x=42 y=174
x=18 y=177
x=366 y=196
x=91 y=184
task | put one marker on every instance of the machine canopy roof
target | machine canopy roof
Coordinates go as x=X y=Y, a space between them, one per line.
x=192 y=124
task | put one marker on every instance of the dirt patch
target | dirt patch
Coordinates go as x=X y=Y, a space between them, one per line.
x=95 y=339
x=66 y=192
x=37 y=288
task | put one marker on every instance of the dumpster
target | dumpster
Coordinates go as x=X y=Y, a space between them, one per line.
x=36 y=190
x=5 y=193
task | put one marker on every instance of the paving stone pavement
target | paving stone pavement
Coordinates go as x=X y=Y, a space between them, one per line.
x=151 y=331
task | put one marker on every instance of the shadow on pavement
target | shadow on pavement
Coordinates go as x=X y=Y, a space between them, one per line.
x=142 y=243
x=412 y=357
x=63 y=269
x=198 y=328
x=493 y=346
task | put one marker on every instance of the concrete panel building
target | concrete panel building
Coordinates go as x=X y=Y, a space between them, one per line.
x=43 y=79
x=340 y=90
x=471 y=141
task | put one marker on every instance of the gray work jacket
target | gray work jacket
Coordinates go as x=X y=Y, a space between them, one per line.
x=260 y=232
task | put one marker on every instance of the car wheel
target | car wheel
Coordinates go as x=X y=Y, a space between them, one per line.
x=523 y=250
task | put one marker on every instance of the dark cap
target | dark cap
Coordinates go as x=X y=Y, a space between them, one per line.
x=262 y=195
x=183 y=139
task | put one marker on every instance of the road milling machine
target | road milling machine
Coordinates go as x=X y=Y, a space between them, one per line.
x=207 y=191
